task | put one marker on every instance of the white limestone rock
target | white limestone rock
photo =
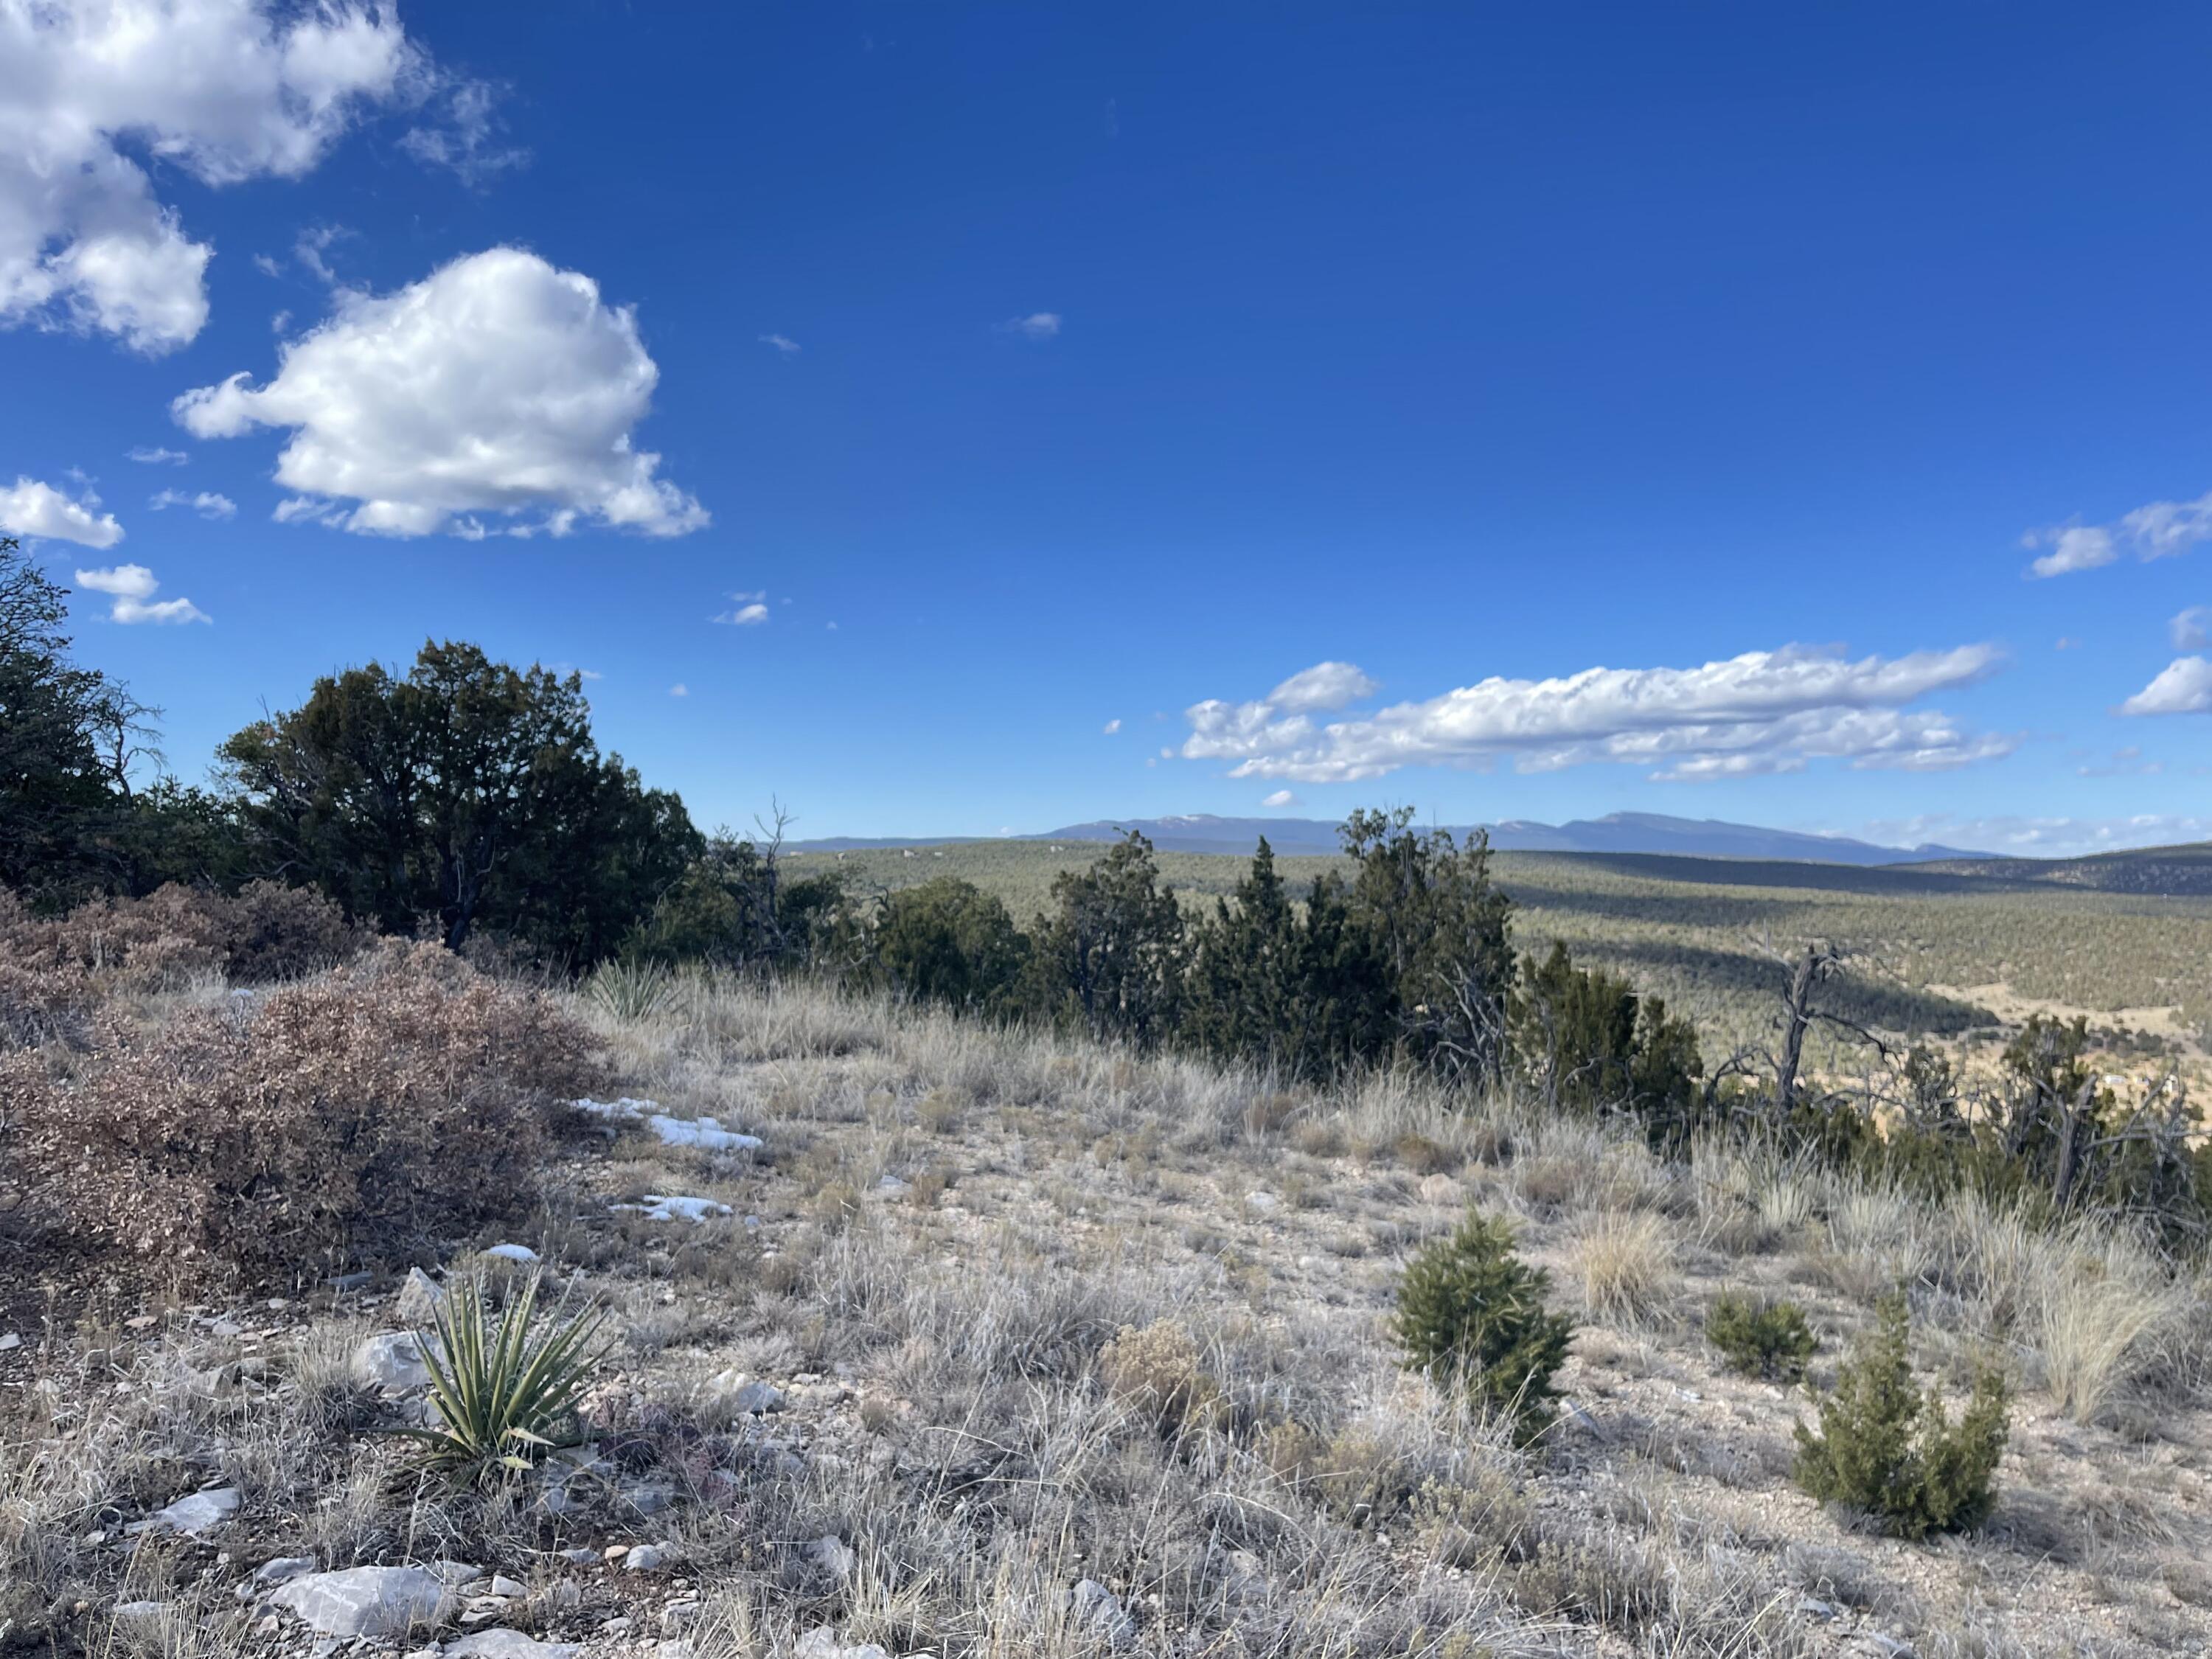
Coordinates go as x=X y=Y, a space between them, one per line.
x=380 y=1602
x=201 y=1511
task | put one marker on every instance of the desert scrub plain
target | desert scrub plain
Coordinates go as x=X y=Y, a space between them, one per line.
x=1955 y=955
x=1014 y=1345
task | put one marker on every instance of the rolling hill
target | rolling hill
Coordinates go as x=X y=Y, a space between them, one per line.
x=1616 y=832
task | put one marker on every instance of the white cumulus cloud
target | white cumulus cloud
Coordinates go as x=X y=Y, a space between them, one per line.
x=131 y=588
x=94 y=93
x=497 y=385
x=2183 y=686
x=749 y=613
x=34 y=508
x=1282 y=798
x=1762 y=711
x=206 y=503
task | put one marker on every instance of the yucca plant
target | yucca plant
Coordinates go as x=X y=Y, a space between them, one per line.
x=629 y=989
x=502 y=1393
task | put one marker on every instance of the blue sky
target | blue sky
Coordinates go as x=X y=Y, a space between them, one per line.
x=1122 y=364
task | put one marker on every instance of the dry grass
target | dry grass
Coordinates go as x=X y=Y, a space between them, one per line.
x=1066 y=1344
x=2098 y=1323
x=1626 y=1263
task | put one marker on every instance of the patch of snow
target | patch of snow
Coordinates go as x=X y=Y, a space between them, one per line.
x=661 y=1207
x=706 y=1132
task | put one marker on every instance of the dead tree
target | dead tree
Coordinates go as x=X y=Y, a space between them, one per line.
x=1802 y=1011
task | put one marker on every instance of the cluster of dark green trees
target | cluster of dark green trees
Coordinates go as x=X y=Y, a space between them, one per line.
x=1408 y=959
x=463 y=799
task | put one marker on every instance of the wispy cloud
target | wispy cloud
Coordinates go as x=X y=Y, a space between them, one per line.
x=131 y=588
x=1112 y=726
x=1762 y=711
x=313 y=245
x=34 y=508
x=750 y=612
x=2193 y=629
x=2159 y=531
x=1282 y=798
x=783 y=344
x=205 y=503
x=153 y=455
x=680 y=690
x=1325 y=685
x=1038 y=325
x=2128 y=763
x=462 y=131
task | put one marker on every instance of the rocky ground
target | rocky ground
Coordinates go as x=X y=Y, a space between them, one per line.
x=932 y=1340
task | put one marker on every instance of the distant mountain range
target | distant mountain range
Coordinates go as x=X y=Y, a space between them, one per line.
x=1616 y=832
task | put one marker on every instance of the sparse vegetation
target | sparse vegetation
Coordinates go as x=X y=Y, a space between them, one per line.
x=1093 y=1349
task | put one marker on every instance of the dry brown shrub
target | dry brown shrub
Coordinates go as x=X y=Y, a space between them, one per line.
x=1356 y=1475
x=272 y=932
x=1271 y=1114
x=1425 y=1157
x=404 y=1099
x=52 y=969
x=42 y=1004
x=1156 y=1370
